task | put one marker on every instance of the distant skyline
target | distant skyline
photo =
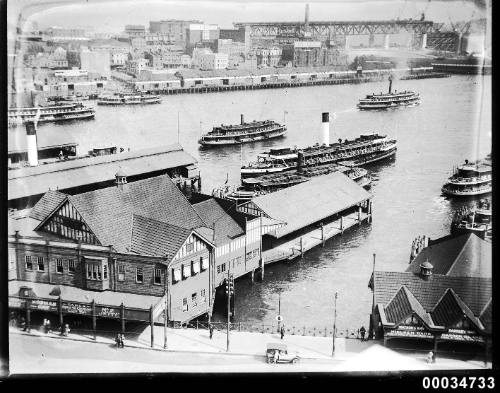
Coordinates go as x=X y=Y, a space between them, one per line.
x=112 y=16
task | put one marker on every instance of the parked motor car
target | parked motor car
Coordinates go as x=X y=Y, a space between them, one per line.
x=278 y=353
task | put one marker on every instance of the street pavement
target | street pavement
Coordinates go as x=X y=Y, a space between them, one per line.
x=192 y=350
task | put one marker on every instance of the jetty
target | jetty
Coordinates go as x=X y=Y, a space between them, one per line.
x=301 y=217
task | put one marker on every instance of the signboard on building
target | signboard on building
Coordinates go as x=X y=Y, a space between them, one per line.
x=461 y=335
x=409 y=331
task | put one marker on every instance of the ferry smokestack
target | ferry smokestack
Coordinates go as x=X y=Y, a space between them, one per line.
x=32 y=143
x=242 y=119
x=300 y=161
x=325 y=128
x=390 y=85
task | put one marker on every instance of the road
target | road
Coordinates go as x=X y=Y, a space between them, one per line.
x=38 y=355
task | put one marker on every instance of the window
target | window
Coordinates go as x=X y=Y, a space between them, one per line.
x=138 y=275
x=121 y=272
x=256 y=252
x=190 y=247
x=204 y=263
x=59 y=266
x=29 y=262
x=223 y=267
x=195 y=266
x=249 y=255
x=176 y=275
x=186 y=271
x=218 y=269
x=105 y=271
x=194 y=299
x=157 y=276
x=184 y=304
x=202 y=296
x=41 y=266
x=71 y=266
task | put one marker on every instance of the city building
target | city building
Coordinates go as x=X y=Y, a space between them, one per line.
x=313 y=54
x=443 y=298
x=135 y=66
x=98 y=61
x=54 y=60
x=200 y=34
x=213 y=61
x=135 y=31
x=132 y=239
x=174 y=29
x=268 y=57
x=236 y=35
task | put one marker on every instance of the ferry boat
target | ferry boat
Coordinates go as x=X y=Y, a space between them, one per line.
x=128 y=99
x=470 y=179
x=389 y=100
x=243 y=133
x=54 y=113
x=365 y=149
x=476 y=220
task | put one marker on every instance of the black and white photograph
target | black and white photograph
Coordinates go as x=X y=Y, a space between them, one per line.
x=241 y=187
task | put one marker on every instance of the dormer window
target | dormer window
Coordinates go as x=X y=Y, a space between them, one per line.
x=426 y=268
x=120 y=178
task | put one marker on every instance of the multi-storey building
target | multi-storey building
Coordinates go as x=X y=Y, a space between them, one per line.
x=68 y=83
x=174 y=29
x=135 y=66
x=54 y=60
x=135 y=30
x=268 y=57
x=134 y=239
x=98 y=61
x=201 y=34
x=213 y=61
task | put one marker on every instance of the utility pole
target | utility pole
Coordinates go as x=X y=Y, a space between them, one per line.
x=229 y=288
x=334 y=324
x=165 y=312
x=279 y=310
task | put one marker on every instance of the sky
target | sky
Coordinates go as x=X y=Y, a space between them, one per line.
x=112 y=16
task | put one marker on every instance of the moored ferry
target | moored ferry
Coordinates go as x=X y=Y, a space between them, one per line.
x=390 y=100
x=365 y=149
x=477 y=220
x=128 y=99
x=470 y=179
x=243 y=133
x=54 y=113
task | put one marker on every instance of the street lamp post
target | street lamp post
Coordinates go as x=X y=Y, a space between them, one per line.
x=279 y=310
x=334 y=324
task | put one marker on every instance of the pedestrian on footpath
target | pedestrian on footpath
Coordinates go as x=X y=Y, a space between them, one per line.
x=66 y=330
x=117 y=340
x=362 y=331
x=282 y=331
x=122 y=340
x=430 y=357
x=211 y=330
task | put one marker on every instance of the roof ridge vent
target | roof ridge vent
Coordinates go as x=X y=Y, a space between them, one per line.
x=426 y=268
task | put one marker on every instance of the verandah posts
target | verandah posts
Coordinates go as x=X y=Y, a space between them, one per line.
x=151 y=323
x=94 y=320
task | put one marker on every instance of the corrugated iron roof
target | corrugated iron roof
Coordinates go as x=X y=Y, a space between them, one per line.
x=73 y=173
x=465 y=256
x=226 y=228
x=310 y=202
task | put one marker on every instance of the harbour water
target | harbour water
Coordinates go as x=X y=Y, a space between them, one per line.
x=452 y=123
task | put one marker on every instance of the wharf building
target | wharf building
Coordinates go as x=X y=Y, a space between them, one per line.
x=313 y=54
x=329 y=205
x=156 y=80
x=27 y=185
x=139 y=244
x=68 y=83
x=127 y=252
x=442 y=301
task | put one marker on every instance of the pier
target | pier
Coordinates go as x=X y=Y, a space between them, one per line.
x=301 y=217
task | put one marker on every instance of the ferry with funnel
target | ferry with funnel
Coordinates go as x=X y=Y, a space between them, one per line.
x=470 y=179
x=365 y=149
x=54 y=113
x=390 y=100
x=243 y=133
x=128 y=99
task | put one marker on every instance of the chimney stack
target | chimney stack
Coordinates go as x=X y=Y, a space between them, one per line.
x=120 y=179
x=242 y=119
x=300 y=161
x=32 y=143
x=325 y=128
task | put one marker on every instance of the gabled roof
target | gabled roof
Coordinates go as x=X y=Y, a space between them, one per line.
x=109 y=212
x=226 y=228
x=486 y=316
x=312 y=201
x=465 y=256
x=402 y=305
x=475 y=292
x=47 y=204
x=156 y=238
